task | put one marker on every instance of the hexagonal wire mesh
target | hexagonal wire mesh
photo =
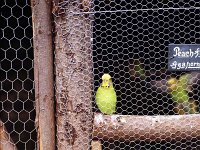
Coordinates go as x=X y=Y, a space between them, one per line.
x=130 y=42
x=73 y=75
x=17 y=112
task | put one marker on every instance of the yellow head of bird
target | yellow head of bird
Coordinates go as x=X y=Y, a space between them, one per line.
x=106 y=80
x=172 y=84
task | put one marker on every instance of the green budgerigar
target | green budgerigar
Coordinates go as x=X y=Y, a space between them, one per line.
x=106 y=97
x=178 y=89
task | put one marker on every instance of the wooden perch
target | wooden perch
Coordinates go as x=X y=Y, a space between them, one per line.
x=171 y=127
x=6 y=142
x=161 y=85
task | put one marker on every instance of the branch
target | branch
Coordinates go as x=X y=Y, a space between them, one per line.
x=121 y=127
x=43 y=73
x=161 y=85
x=96 y=145
x=6 y=142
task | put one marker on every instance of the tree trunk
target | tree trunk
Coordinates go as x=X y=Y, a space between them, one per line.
x=73 y=69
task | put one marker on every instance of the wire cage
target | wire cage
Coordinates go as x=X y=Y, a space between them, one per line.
x=51 y=102
x=17 y=111
x=129 y=40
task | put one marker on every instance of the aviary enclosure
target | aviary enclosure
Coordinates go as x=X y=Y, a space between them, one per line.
x=52 y=57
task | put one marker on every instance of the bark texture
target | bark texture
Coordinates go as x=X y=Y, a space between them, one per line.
x=73 y=70
x=43 y=73
x=157 y=128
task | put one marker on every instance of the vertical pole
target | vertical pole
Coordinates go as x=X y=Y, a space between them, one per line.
x=43 y=73
x=73 y=69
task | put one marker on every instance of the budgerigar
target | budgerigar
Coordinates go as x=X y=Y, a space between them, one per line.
x=106 y=97
x=136 y=69
x=178 y=89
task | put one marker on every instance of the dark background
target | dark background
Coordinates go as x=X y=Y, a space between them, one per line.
x=16 y=73
x=124 y=31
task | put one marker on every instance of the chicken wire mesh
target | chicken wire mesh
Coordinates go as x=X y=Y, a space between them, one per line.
x=17 y=112
x=130 y=42
x=73 y=75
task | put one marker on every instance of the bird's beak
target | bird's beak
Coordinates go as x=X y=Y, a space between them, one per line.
x=105 y=83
